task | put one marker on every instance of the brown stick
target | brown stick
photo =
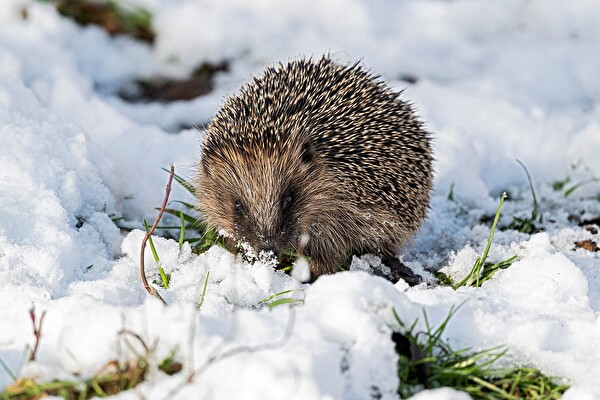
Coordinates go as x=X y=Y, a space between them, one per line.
x=37 y=331
x=138 y=337
x=151 y=290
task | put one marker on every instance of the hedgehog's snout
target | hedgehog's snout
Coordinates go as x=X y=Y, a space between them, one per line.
x=273 y=244
x=268 y=248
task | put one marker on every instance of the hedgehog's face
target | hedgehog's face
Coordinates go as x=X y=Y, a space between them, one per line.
x=260 y=196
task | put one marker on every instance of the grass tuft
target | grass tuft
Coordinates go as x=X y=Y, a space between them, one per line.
x=271 y=302
x=169 y=365
x=192 y=228
x=115 y=379
x=482 y=270
x=431 y=363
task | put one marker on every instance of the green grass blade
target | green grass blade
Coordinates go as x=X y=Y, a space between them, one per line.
x=163 y=277
x=187 y=205
x=274 y=295
x=467 y=279
x=154 y=253
x=188 y=218
x=285 y=300
x=8 y=370
x=576 y=186
x=491 y=237
x=98 y=390
x=173 y=227
x=534 y=212
x=451 y=192
x=186 y=185
x=204 y=290
x=398 y=319
x=491 y=269
x=492 y=387
x=182 y=230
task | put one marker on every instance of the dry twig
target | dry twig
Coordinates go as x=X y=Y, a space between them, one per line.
x=37 y=331
x=125 y=332
x=151 y=290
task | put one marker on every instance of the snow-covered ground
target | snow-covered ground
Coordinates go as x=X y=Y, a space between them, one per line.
x=496 y=81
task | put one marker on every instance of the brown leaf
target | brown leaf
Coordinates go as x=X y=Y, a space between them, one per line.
x=588 y=245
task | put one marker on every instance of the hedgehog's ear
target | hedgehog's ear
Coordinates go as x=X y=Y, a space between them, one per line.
x=307 y=152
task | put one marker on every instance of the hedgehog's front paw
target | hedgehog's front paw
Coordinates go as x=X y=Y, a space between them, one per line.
x=400 y=271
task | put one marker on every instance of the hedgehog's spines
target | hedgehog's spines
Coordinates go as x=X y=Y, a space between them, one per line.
x=365 y=186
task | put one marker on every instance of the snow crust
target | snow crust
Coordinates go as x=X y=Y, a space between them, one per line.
x=495 y=81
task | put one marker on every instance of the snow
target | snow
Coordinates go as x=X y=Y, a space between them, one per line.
x=495 y=82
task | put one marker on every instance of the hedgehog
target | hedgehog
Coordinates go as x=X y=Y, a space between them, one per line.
x=318 y=159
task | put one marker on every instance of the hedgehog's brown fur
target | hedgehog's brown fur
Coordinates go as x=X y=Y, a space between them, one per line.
x=315 y=150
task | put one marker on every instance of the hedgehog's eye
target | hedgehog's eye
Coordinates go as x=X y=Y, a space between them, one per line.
x=237 y=207
x=286 y=200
